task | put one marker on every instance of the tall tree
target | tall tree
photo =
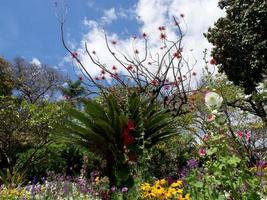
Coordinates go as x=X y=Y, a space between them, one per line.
x=6 y=81
x=36 y=82
x=240 y=42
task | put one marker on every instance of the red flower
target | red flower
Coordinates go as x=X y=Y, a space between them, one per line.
x=177 y=55
x=114 y=68
x=103 y=77
x=154 y=82
x=114 y=42
x=162 y=28
x=74 y=54
x=127 y=139
x=129 y=68
x=103 y=71
x=96 y=78
x=162 y=36
x=130 y=125
x=93 y=52
x=132 y=157
x=213 y=61
x=144 y=35
x=80 y=78
x=194 y=73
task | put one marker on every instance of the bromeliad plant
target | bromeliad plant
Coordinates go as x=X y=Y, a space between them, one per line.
x=119 y=130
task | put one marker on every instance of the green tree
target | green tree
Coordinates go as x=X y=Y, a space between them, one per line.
x=240 y=43
x=6 y=81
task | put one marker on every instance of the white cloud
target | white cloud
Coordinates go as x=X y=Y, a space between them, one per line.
x=198 y=16
x=109 y=16
x=36 y=62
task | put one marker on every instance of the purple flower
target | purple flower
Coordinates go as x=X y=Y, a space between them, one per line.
x=113 y=189
x=124 y=189
x=193 y=163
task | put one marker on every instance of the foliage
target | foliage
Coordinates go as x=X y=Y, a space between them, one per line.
x=24 y=126
x=6 y=81
x=224 y=172
x=119 y=131
x=168 y=157
x=240 y=43
x=56 y=158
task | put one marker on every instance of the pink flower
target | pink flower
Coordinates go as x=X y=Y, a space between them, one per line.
x=205 y=138
x=166 y=87
x=210 y=118
x=202 y=152
x=239 y=133
x=248 y=135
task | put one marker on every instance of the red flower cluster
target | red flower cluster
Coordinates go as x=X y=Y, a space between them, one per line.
x=127 y=139
x=130 y=68
x=178 y=54
x=213 y=61
x=132 y=157
x=162 y=28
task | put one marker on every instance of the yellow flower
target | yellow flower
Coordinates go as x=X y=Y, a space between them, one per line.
x=187 y=196
x=145 y=187
x=97 y=180
x=177 y=183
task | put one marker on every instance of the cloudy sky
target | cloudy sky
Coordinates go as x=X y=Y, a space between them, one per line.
x=30 y=28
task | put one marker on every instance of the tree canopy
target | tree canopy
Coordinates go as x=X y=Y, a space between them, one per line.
x=240 y=43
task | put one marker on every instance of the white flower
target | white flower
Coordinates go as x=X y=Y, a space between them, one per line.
x=215 y=112
x=213 y=100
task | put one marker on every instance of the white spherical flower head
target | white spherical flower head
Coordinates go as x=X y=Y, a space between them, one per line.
x=213 y=100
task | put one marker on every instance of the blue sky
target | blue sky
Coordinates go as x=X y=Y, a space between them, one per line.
x=30 y=29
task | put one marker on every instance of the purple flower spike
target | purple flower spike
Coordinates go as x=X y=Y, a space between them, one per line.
x=124 y=189
x=193 y=163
